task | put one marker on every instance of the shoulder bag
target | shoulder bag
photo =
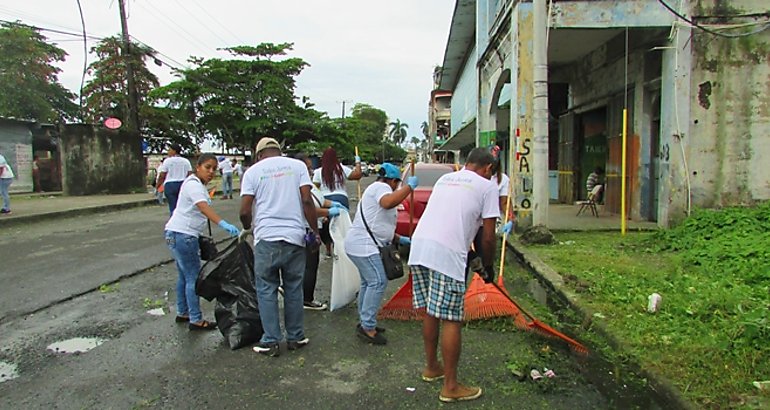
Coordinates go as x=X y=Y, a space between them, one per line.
x=391 y=259
x=208 y=246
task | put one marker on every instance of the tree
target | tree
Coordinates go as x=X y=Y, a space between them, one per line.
x=236 y=101
x=106 y=93
x=28 y=80
x=425 y=129
x=398 y=131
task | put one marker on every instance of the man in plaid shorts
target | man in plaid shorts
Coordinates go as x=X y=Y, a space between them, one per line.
x=460 y=202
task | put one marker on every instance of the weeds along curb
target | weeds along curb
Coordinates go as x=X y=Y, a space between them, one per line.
x=18 y=220
x=667 y=393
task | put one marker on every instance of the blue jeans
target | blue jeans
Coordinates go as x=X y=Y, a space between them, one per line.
x=171 y=190
x=373 y=284
x=5 y=184
x=280 y=264
x=186 y=253
x=227 y=184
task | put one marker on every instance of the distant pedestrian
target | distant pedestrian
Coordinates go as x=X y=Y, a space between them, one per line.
x=237 y=168
x=159 y=196
x=376 y=214
x=173 y=172
x=438 y=257
x=226 y=170
x=36 y=174
x=6 y=179
x=182 y=231
x=276 y=202
x=331 y=178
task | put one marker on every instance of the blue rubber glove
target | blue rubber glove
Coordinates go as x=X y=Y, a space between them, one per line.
x=230 y=229
x=507 y=228
x=336 y=204
x=358 y=159
x=334 y=211
x=404 y=240
x=412 y=182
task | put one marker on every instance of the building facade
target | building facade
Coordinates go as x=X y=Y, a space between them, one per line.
x=692 y=78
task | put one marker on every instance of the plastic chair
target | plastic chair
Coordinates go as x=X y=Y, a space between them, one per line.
x=590 y=203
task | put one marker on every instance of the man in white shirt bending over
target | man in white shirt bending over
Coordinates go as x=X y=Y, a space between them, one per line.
x=438 y=257
x=276 y=201
x=173 y=172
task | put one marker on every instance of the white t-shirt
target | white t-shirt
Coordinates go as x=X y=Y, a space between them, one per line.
x=238 y=169
x=7 y=171
x=459 y=202
x=502 y=187
x=187 y=218
x=176 y=168
x=274 y=183
x=226 y=167
x=318 y=201
x=339 y=190
x=381 y=221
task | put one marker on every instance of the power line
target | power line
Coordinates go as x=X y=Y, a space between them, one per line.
x=189 y=37
x=202 y=23
x=710 y=31
x=220 y=24
x=85 y=58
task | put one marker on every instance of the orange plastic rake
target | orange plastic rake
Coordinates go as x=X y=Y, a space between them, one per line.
x=400 y=307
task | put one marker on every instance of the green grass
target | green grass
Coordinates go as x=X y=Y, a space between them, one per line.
x=710 y=335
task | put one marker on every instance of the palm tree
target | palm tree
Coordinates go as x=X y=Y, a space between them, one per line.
x=398 y=131
x=416 y=142
x=425 y=129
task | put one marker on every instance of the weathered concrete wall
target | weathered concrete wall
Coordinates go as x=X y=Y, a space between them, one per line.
x=465 y=96
x=16 y=147
x=729 y=144
x=98 y=161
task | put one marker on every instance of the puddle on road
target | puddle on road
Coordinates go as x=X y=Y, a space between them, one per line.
x=8 y=371
x=76 y=345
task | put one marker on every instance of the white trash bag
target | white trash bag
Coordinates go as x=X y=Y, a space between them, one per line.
x=345 y=279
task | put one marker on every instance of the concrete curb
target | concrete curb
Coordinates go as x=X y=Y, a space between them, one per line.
x=667 y=393
x=18 y=220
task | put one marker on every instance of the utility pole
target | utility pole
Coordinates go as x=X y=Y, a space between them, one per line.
x=133 y=98
x=540 y=114
x=343 y=107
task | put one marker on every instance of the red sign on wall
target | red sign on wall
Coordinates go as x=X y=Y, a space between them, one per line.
x=112 y=123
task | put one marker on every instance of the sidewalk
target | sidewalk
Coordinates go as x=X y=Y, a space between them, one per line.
x=39 y=207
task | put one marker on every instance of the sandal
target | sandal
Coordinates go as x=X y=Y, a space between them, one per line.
x=182 y=319
x=202 y=325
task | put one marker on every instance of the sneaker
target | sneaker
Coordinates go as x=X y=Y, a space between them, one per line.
x=377 y=328
x=314 y=305
x=297 y=344
x=267 y=349
x=5 y=211
x=377 y=339
x=461 y=394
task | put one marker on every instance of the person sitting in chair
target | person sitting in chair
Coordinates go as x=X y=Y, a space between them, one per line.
x=595 y=178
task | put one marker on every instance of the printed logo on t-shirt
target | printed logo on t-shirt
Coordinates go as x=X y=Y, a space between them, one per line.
x=456 y=181
x=276 y=172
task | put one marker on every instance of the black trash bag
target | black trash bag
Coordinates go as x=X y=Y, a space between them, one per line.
x=229 y=279
x=227 y=265
x=238 y=319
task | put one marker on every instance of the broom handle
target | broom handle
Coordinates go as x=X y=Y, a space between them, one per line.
x=358 y=182
x=411 y=204
x=505 y=220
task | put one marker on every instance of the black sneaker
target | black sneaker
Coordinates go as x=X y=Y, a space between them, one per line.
x=377 y=328
x=267 y=349
x=297 y=344
x=314 y=305
x=377 y=339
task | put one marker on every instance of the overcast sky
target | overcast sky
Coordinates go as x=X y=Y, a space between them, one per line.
x=376 y=52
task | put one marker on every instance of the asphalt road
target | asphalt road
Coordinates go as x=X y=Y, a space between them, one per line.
x=149 y=361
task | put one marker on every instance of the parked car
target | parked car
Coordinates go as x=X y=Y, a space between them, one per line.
x=427 y=174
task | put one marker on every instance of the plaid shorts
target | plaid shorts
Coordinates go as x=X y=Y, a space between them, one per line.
x=441 y=296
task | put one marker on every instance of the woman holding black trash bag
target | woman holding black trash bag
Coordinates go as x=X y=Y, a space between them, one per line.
x=377 y=210
x=182 y=231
